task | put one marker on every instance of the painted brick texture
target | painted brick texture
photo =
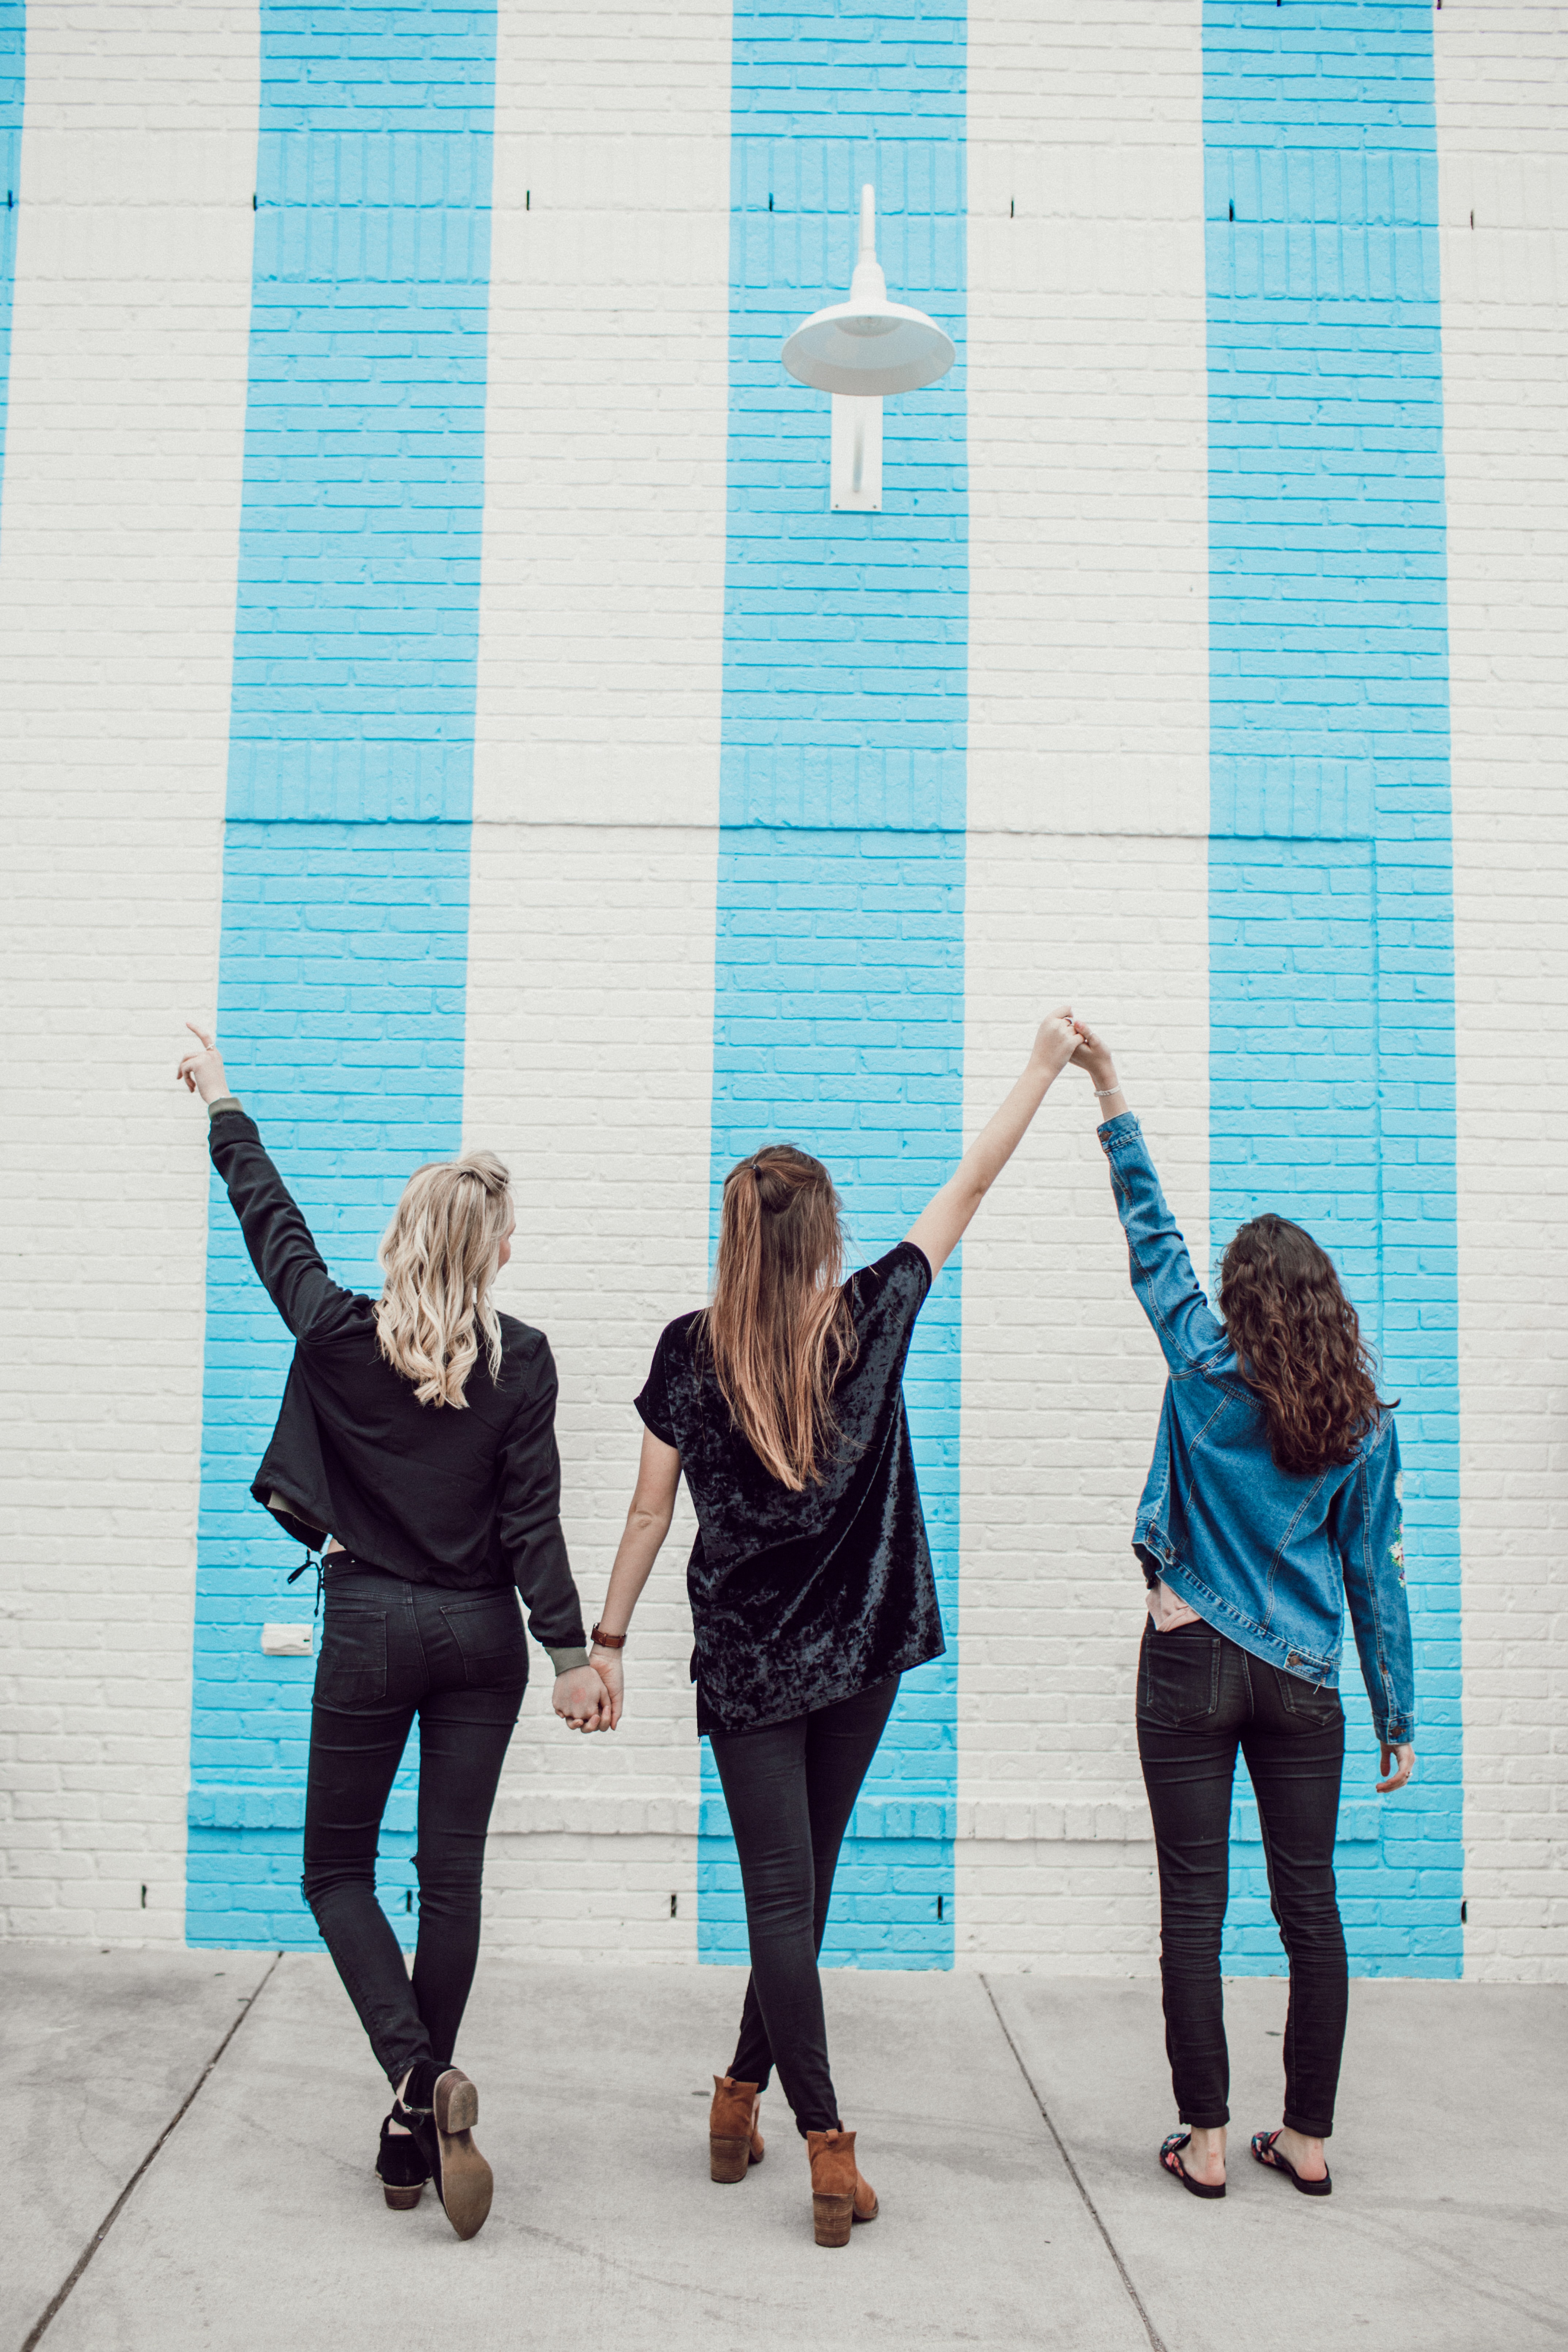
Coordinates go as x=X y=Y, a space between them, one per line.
x=13 y=80
x=1502 y=127
x=117 y=578
x=1330 y=914
x=1087 y=861
x=839 y=998
x=590 y=993
x=341 y=995
x=601 y=628
x=594 y=794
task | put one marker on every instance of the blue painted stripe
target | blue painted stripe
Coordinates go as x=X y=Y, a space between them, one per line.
x=840 y=979
x=13 y=70
x=1330 y=865
x=346 y=868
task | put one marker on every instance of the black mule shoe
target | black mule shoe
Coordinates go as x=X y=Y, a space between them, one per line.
x=400 y=2165
x=1171 y=2158
x=1265 y=2153
x=442 y=2109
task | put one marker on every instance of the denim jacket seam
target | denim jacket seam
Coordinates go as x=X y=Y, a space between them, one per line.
x=1315 y=1489
x=1391 y=1708
x=1156 y=1313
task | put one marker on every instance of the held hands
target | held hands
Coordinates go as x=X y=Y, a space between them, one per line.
x=203 y=1072
x=1405 y=1755
x=1093 y=1054
x=1055 y=1041
x=581 y=1700
x=606 y=1664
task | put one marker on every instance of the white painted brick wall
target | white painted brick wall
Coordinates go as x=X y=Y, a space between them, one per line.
x=590 y=1070
x=602 y=602
x=590 y=1006
x=1088 y=878
x=1502 y=122
x=117 y=586
x=592 y=927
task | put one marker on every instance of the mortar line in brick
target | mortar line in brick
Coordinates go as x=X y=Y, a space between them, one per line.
x=62 y=2293
x=1156 y=2340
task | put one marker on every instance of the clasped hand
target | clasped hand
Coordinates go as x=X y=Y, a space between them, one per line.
x=582 y=1702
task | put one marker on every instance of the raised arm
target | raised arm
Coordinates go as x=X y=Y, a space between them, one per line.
x=1163 y=1281
x=943 y=1221
x=282 y=1248
x=647 y=1523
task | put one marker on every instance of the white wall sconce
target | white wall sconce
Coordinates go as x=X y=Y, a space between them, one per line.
x=860 y=351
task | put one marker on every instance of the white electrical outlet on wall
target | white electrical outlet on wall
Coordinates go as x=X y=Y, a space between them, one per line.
x=286 y=1641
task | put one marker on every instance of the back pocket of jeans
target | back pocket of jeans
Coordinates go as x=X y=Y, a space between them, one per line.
x=352 y=1669
x=1309 y=1701
x=1178 y=1678
x=488 y=1630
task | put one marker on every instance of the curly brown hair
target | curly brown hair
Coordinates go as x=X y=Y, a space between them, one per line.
x=1298 y=1340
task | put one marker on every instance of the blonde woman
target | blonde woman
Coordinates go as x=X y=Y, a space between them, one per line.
x=418 y=1433
x=810 y=1581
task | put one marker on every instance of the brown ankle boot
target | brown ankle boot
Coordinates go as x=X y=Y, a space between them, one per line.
x=840 y=2194
x=735 y=2143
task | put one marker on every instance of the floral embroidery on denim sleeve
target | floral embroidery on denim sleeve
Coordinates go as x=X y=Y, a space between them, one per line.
x=1396 y=1552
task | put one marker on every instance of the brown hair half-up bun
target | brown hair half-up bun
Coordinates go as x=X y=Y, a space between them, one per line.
x=1297 y=1339
x=780 y=1328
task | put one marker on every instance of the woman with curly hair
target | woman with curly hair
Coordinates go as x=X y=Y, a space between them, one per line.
x=1274 y=1496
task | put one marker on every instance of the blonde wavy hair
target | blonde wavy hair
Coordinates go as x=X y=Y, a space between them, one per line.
x=440 y=1256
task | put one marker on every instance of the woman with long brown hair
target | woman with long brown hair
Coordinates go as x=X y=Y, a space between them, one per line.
x=1274 y=1498
x=416 y=1442
x=810 y=1580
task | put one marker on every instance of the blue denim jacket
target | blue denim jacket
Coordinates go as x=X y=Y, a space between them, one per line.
x=1265 y=1555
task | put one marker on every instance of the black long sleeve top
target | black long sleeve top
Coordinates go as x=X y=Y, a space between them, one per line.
x=465 y=1498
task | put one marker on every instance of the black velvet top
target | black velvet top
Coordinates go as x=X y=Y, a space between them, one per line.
x=799 y=1601
x=467 y=1499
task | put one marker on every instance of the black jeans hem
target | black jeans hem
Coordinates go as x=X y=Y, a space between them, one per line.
x=1309 y=2127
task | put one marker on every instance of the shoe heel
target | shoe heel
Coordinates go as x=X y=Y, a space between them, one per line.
x=457 y=2104
x=401 y=2200
x=833 y=2216
x=728 y=2159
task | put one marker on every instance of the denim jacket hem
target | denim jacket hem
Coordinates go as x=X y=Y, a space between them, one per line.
x=1323 y=1674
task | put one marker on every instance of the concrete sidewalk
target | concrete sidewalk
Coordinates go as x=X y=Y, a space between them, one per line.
x=1010 y=2125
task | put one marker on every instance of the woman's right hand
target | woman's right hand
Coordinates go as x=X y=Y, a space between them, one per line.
x=202 y=1071
x=606 y=1664
x=1055 y=1040
x=1403 y=1755
x=1093 y=1054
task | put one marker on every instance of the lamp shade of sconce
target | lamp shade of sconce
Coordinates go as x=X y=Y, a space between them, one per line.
x=868 y=344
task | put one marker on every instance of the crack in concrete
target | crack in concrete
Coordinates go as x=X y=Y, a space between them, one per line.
x=63 y=2291
x=1155 y=2339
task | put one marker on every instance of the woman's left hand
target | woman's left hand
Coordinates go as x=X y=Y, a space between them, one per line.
x=201 y=1070
x=581 y=1700
x=1406 y=1754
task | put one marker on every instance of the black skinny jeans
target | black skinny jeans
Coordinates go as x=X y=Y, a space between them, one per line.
x=1199 y=1697
x=458 y=1661
x=791 y=1789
